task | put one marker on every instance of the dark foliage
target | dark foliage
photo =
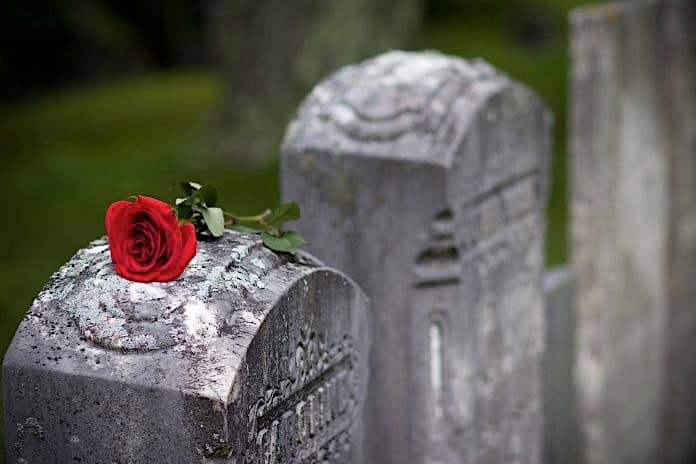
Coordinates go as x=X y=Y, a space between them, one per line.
x=48 y=43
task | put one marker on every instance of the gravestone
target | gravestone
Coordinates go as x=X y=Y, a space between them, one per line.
x=271 y=53
x=633 y=146
x=561 y=432
x=247 y=358
x=424 y=178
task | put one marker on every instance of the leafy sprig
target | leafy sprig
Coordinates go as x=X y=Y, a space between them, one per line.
x=198 y=206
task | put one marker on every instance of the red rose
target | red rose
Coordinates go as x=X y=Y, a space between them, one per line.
x=146 y=241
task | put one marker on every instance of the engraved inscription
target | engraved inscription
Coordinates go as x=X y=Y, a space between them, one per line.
x=306 y=418
x=494 y=225
x=500 y=222
x=505 y=226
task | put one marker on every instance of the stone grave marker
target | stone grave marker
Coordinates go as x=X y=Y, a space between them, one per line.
x=633 y=232
x=247 y=358
x=424 y=178
x=563 y=440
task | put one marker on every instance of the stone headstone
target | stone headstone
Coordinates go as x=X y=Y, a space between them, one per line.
x=633 y=146
x=561 y=432
x=424 y=178
x=247 y=358
x=271 y=53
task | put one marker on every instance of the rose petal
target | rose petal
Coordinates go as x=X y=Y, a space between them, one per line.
x=147 y=243
x=184 y=254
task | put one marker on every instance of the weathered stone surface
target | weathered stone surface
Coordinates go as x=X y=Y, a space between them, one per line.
x=424 y=178
x=272 y=52
x=561 y=432
x=633 y=146
x=247 y=358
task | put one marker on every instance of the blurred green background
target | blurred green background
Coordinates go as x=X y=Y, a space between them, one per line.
x=101 y=101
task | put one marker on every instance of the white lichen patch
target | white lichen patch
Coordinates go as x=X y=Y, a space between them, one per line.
x=258 y=263
x=96 y=248
x=139 y=292
x=199 y=321
x=238 y=253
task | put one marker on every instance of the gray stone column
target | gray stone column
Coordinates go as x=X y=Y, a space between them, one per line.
x=247 y=358
x=633 y=147
x=424 y=178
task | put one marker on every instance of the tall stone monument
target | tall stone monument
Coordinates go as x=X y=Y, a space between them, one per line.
x=633 y=146
x=247 y=358
x=424 y=178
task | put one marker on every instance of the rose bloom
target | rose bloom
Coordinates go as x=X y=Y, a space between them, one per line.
x=146 y=241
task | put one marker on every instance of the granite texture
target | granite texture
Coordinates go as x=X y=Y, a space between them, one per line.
x=424 y=178
x=247 y=358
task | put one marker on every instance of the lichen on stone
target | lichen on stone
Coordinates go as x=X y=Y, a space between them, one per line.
x=118 y=314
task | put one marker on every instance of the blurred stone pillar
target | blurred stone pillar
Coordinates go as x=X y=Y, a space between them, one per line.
x=272 y=52
x=633 y=229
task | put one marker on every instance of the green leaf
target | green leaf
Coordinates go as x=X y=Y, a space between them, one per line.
x=288 y=242
x=284 y=213
x=215 y=220
x=246 y=229
x=209 y=195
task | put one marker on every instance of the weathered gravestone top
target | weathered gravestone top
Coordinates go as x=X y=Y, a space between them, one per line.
x=426 y=178
x=247 y=358
x=405 y=106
